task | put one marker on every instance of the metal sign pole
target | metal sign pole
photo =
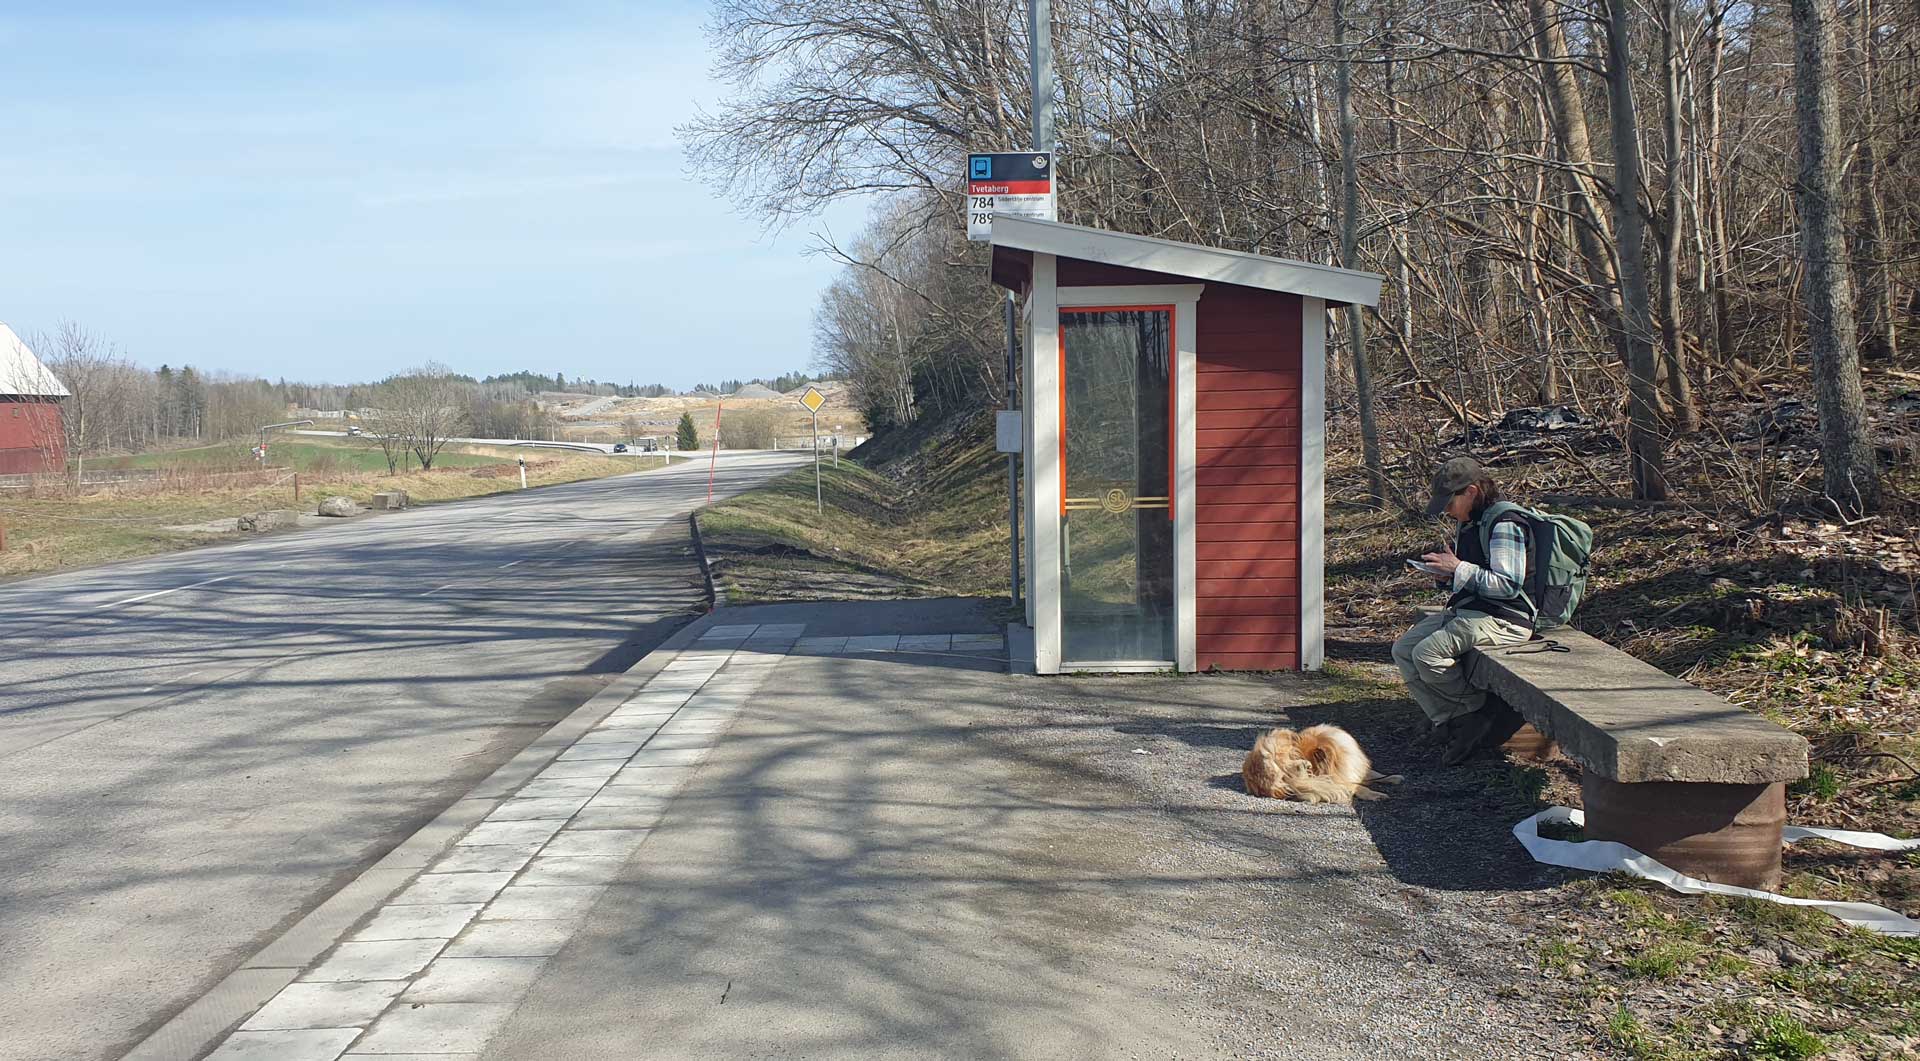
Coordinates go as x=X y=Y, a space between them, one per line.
x=819 y=507
x=1040 y=14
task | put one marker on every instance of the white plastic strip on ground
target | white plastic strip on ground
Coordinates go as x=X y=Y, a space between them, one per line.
x=1605 y=856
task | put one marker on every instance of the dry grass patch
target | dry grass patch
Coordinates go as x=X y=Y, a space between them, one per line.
x=55 y=528
x=930 y=523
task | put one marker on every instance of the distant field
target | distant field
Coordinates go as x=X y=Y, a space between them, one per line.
x=309 y=454
x=51 y=527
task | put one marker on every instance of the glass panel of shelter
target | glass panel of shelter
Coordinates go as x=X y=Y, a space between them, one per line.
x=1117 y=583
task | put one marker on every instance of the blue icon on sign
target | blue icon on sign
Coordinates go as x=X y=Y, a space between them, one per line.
x=980 y=167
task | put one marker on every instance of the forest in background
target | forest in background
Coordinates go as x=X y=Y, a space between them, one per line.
x=1637 y=209
x=117 y=406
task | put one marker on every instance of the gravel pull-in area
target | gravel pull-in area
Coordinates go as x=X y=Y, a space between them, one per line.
x=1310 y=931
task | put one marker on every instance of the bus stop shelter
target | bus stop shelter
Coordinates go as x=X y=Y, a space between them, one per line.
x=1173 y=449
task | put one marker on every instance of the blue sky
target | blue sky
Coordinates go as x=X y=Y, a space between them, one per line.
x=337 y=191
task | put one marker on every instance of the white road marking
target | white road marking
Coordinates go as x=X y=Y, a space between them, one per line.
x=161 y=593
x=169 y=681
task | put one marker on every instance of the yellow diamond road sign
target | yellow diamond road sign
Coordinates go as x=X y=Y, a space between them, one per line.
x=813 y=400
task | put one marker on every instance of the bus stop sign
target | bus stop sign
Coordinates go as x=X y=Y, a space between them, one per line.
x=1016 y=183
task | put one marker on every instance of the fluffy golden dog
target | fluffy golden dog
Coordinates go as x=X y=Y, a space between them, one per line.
x=1319 y=764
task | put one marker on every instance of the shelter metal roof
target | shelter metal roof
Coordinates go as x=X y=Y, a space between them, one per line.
x=21 y=373
x=1337 y=286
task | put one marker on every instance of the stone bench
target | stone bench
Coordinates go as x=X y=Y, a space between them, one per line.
x=1666 y=768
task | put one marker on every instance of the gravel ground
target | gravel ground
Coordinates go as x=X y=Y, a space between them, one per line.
x=1397 y=931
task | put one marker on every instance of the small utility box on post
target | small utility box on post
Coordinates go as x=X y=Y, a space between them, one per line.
x=1173 y=447
x=813 y=400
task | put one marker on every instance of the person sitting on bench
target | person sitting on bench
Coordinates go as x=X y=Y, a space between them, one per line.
x=1487 y=573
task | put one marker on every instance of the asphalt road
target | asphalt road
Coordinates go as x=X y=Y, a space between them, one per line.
x=197 y=749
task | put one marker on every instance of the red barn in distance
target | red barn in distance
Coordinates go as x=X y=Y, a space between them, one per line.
x=32 y=441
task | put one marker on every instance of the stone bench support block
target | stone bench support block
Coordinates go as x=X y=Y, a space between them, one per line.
x=1728 y=834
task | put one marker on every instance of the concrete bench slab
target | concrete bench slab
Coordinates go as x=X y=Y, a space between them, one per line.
x=1631 y=722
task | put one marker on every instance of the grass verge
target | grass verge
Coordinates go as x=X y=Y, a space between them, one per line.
x=58 y=531
x=928 y=523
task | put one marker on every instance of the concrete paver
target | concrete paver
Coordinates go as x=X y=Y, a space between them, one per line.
x=573 y=870
x=475 y=980
x=324 y=1005
x=431 y=888
x=512 y=939
x=563 y=787
x=487 y=834
x=613 y=843
x=422 y=921
x=574 y=777
x=550 y=903
x=584 y=751
x=385 y=960
x=538 y=808
x=317 y=1044
x=436 y=1027
x=491 y=859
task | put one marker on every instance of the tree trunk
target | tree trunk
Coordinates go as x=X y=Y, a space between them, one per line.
x=1568 y=111
x=1851 y=478
x=1870 y=230
x=1349 y=247
x=1679 y=389
x=1403 y=274
x=1714 y=264
x=1644 y=444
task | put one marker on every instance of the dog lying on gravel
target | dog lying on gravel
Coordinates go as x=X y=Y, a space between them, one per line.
x=1319 y=764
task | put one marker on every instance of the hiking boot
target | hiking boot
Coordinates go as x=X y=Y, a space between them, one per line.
x=1468 y=732
x=1434 y=736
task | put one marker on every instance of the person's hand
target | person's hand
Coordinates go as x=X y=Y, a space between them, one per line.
x=1444 y=560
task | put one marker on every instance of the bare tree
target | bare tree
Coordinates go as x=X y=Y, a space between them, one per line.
x=428 y=407
x=97 y=380
x=1523 y=267
x=1644 y=444
x=1349 y=251
x=386 y=430
x=1851 y=478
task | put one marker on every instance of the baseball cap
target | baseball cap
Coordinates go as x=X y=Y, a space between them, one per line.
x=1451 y=478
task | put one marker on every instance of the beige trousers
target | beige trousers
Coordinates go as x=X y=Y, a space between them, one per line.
x=1429 y=657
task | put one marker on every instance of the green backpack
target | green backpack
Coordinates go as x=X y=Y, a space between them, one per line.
x=1558 y=549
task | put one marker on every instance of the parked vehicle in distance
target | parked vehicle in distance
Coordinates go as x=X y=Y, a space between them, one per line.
x=351 y=431
x=619 y=447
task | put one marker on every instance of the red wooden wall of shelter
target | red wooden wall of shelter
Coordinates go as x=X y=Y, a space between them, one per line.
x=1247 y=467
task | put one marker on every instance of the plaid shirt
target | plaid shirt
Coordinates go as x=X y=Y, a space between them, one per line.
x=1505 y=575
